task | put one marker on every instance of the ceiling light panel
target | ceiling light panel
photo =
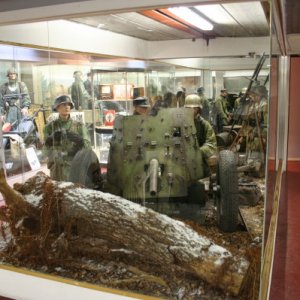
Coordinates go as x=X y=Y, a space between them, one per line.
x=191 y=17
x=126 y=23
x=216 y=13
x=250 y=15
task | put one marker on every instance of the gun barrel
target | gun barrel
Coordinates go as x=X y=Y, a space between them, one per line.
x=153 y=174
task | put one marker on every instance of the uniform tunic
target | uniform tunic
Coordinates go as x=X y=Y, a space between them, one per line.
x=207 y=141
x=222 y=112
x=62 y=152
x=12 y=106
x=205 y=106
x=206 y=137
x=80 y=96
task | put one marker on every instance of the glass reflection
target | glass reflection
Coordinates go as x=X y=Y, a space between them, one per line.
x=76 y=100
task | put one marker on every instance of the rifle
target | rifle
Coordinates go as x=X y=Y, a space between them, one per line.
x=8 y=97
x=266 y=80
x=244 y=97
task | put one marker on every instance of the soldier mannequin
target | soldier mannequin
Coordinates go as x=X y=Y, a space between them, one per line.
x=80 y=96
x=179 y=98
x=15 y=107
x=205 y=133
x=204 y=102
x=240 y=107
x=141 y=106
x=259 y=96
x=223 y=116
x=237 y=102
x=64 y=137
x=89 y=87
x=258 y=112
x=167 y=101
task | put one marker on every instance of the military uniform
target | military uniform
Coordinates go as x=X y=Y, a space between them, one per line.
x=205 y=106
x=79 y=95
x=12 y=107
x=222 y=112
x=89 y=88
x=206 y=137
x=141 y=106
x=258 y=113
x=205 y=113
x=255 y=120
x=204 y=132
x=179 y=99
x=240 y=106
x=64 y=146
x=237 y=104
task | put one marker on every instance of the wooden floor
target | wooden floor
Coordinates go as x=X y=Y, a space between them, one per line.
x=285 y=284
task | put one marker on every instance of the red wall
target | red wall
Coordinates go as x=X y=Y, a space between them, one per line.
x=294 y=111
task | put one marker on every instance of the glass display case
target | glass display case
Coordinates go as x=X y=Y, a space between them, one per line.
x=115 y=82
x=110 y=87
x=113 y=92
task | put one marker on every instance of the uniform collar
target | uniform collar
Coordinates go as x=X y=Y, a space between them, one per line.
x=64 y=121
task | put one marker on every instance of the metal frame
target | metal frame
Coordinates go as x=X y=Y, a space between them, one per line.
x=283 y=111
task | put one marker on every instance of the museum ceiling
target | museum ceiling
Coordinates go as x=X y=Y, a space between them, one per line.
x=239 y=19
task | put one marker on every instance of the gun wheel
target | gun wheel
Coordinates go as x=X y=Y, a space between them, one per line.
x=85 y=169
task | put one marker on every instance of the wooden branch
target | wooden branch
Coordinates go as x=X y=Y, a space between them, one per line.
x=14 y=200
x=103 y=223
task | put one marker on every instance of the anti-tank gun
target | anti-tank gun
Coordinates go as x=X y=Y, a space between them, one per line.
x=142 y=146
x=156 y=161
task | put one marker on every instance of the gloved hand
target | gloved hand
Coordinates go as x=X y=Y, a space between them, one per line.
x=49 y=141
x=75 y=137
x=55 y=137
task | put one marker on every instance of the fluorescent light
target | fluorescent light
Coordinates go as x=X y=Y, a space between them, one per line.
x=191 y=17
x=216 y=13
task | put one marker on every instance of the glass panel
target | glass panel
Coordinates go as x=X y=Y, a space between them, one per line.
x=20 y=110
x=153 y=160
x=272 y=134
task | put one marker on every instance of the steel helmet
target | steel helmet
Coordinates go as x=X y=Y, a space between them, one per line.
x=193 y=100
x=244 y=90
x=141 y=101
x=12 y=70
x=77 y=74
x=62 y=99
x=200 y=90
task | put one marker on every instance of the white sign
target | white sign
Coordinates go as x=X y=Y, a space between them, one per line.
x=32 y=159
